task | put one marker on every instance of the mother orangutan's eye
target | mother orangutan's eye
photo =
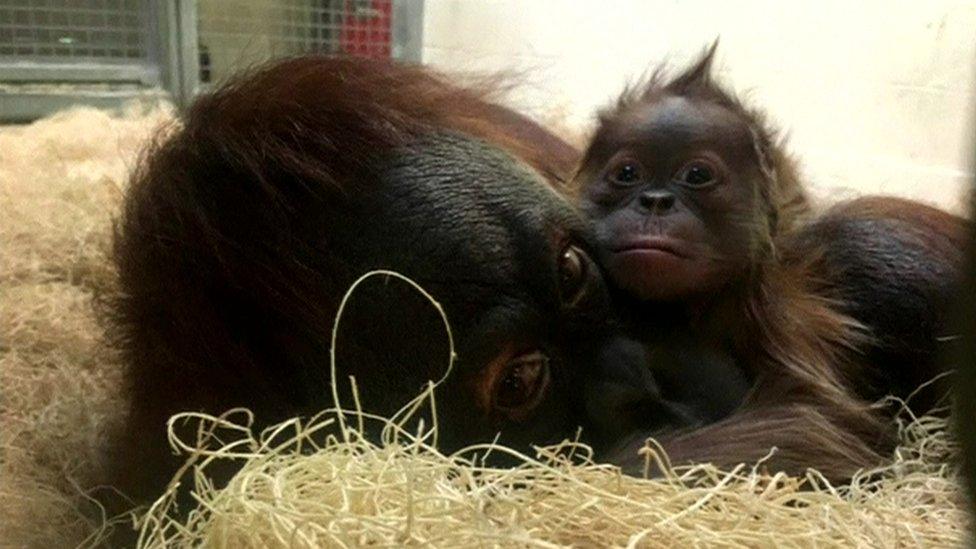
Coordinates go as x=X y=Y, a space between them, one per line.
x=572 y=274
x=522 y=385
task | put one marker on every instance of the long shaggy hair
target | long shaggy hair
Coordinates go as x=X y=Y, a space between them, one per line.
x=783 y=323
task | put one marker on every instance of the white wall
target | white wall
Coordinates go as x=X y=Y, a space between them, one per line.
x=876 y=95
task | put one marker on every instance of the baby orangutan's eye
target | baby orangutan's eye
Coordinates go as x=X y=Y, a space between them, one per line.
x=697 y=173
x=625 y=173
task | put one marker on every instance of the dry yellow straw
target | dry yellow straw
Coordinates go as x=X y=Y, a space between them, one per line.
x=402 y=491
x=353 y=492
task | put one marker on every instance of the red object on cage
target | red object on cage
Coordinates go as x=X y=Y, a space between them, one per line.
x=365 y=28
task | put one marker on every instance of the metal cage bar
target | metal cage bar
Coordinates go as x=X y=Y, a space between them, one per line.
x=408 y=30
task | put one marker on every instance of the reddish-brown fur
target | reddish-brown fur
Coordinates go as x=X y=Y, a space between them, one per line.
x=892 y=264
x=231 y=249
x=791 y=321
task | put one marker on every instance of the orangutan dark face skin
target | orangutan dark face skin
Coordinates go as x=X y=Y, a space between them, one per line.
x=672 y=189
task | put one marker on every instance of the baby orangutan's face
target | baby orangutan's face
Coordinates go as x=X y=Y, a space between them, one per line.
x=672 y=189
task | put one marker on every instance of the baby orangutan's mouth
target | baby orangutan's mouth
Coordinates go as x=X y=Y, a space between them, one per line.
x=652 y=245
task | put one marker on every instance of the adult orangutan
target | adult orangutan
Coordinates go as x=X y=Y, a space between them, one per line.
x=245 y=226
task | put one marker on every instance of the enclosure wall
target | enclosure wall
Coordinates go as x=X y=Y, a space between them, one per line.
x=875 y=95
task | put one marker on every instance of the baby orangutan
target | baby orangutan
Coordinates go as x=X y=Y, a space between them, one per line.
x=697 y=213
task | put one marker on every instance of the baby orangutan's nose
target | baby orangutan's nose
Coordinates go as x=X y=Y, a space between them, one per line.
x=658 y=202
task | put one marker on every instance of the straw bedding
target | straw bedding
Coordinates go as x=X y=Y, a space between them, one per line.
x=61 y=180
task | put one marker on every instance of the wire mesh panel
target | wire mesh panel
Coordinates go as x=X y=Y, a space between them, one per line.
x=103 y=31
x=233 y=34
x=55 y=53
